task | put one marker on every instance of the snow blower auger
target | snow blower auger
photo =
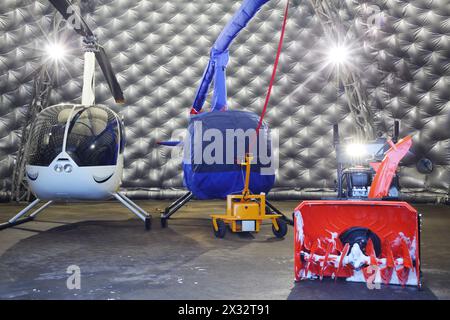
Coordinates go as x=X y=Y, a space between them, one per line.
x=360 y=239
x=370 y=241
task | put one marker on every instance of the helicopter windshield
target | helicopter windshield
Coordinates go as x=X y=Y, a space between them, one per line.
x=47 y=135
x=93 y=137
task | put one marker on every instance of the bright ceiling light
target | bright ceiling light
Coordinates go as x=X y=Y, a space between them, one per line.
x=55 y=51
x=338 y=54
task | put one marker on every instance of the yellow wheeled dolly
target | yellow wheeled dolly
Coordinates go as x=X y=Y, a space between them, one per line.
x=246 y=212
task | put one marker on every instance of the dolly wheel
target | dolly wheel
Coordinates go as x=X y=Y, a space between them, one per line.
x=163 y=222
x=148 y=223
x=222 y=229
x=282 y=228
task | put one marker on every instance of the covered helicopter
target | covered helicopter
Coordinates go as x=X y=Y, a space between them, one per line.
x=211 y=167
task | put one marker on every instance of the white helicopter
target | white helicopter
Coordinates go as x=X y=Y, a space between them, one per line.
x=76 y=152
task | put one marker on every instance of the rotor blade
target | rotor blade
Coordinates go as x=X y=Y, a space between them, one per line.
x=110 y=77
x=72 y=17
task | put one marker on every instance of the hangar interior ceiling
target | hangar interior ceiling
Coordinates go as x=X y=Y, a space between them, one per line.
x=160 y=48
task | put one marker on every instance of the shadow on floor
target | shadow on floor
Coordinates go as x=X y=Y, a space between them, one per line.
x=113 y=256
x=328 y=289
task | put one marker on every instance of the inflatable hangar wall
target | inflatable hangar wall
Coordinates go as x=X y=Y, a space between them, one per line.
x=159 y=50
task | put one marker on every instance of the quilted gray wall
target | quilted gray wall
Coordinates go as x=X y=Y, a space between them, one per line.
x=159 y=50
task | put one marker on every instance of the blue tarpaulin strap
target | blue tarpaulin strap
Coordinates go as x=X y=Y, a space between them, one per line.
x=219 y=57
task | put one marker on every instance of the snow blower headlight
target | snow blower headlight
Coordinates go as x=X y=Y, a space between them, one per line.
x=356 y=150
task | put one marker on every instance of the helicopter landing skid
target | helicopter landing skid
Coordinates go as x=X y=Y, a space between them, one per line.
x=134 y=208
x=22 y=218
x=174 y=207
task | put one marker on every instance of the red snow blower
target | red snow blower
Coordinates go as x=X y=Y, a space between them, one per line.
x=363 y=235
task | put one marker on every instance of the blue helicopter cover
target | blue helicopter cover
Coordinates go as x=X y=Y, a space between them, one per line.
x=212 y=154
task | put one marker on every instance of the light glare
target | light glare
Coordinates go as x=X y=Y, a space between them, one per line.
x=338 y=55
x=55 y=51
x=356 y=150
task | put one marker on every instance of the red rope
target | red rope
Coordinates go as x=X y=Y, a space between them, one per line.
x=274 y=71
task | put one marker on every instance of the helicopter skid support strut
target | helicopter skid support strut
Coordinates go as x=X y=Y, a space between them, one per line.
x=134 y=208
x=174 y=207
x=129 y=204
x=20 y=217
x=181 y=201
x=275 y=209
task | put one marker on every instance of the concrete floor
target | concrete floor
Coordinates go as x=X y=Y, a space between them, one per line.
x=118 y=259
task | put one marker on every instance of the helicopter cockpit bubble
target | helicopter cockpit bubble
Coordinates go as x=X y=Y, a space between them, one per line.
x=76 y=152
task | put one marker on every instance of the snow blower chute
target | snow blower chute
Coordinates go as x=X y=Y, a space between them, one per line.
x=362 y=235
